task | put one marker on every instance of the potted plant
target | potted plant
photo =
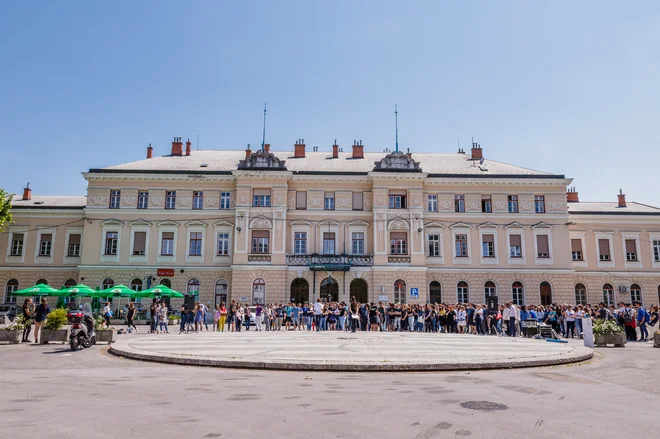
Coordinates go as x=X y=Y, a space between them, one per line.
x=13 y=331
x=173 y=320
x=608 y=332
x=103 y=333
x=52 y=329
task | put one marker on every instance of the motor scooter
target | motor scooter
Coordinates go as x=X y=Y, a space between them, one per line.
x=82 y=330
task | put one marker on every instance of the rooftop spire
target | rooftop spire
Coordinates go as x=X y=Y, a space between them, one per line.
x=263 y=138
x=396 y=126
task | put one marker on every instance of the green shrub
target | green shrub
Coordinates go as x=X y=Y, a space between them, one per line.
x=56 y=319
x=606 y=327
x=18 y=324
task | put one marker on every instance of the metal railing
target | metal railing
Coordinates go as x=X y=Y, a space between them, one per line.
x=316 y=259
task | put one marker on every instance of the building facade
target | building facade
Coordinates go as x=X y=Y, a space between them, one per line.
x=271 y=226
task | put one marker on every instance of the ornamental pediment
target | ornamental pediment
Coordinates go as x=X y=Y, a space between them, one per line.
x=514 y=225
x=358 y=223
x=434 y=225
x=487 y=225
x=398 y=224
x=261 y=223
x=168 y=224
x=196 y=223
x=223 y=224
x=301 y=223
x=460 y=225
x=542 y=225
x=112 y=222
x=139 y=222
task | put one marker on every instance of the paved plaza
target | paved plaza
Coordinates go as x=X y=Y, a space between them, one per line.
x=345 y=351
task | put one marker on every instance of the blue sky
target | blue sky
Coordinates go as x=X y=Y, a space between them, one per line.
x=566 y=87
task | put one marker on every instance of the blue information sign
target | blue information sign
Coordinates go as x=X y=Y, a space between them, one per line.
x=414 y=293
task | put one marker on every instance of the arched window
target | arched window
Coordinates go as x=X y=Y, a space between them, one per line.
x=608 y=294
x=400 y=291
x=107 y=283
x=12 y=285
x=546 y=293
x=136 y=284
x=462 y=292
x=259 y=291
x=166 y=282
x=41 y=282
x=70 y=283
x=220 y=291
x=193 y=288
x=299 y=291
x=635 y=293
x=580 y=294
x=489 y=290
x=517 y=293
x=360 y=290
x=435 y=292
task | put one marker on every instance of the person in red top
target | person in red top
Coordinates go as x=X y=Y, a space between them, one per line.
x=223 y=317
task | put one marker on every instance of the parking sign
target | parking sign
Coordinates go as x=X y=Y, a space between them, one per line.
x=414 y=293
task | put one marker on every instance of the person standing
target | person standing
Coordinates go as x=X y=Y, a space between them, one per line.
x=130 y=315
x=107 y=314
x=216 y=318
x=162 y=316
x=513 y=312
x=27 y=311
x=258 y=316
x=154 y=316
x=355 y=317
x=40 y=314
x=223 y=317
x=642 y=320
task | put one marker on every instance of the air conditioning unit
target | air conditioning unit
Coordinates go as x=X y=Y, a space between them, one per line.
x=623 y=289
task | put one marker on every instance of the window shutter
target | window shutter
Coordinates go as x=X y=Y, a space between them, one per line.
x=19 y=237
x=74 y=239
x=515 y=240
x=329 y=195
x=489 y=238
x=260 y=233
x=542 y=244
x=604 y=246
x=398 y=192
x=630 y=246
x=139 y=240
x=301 y=200
x=46 y=237
x=168 y=235
x=328 y=236
x=261 y=191
x=357 y=200
x=398 y=235
x=576 y=245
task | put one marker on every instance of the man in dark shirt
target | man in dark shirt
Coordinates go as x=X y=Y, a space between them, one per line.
x=373 y=316
x=603 y=313
x=40 y=314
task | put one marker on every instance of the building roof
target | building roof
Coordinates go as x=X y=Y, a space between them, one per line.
x=49 y=202
x=216 y=161
x=611 y=208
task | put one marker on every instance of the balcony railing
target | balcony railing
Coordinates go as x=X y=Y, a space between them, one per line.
x=398 y=259
x=316 y=259
x=258 y=258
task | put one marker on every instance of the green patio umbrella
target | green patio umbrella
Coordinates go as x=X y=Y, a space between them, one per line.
x=118 y=291
x=37 y=290
x=159 y=291
x=74 y=291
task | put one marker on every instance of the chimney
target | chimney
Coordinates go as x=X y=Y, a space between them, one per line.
x=27 y=193
x=358 y=150
x=622 y=199
x=177 y=146
x=477 y=152
x=335 y=150
x=248 y=152
x=299 y=149
x=572 y=195
x=188 y=147
x=267 y=147
x=150 y=151
x=409 y=153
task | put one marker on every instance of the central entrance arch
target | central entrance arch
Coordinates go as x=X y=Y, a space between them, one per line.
x=329 y=290
x=360 y=290
x=300 y=291
x=546 y=293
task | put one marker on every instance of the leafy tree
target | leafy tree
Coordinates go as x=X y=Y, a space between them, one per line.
x=5 y=209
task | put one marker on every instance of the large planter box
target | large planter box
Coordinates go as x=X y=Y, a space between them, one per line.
x=54 y=336
x=656 y=340
x=106 y=336
x=10 y=336
x=618 y=340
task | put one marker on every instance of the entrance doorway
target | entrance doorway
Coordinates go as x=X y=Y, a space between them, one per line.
x=546 y=293
x=435 y=292
x=299 y=291
x=329 y=290
x=220 y=291
x=360 y=290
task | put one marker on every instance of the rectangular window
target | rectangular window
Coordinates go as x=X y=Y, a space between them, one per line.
x=488 y=246
x=515 y=246
x=461 y=246
x=539 y=203
x=631 y=250
x=486 y=204
x=432 y=203
x=357 y=201
x=358 y=243
x=328 y=243
x=542 y=247
x=17 y=244
x=139 y=243
x=260 y=241
x=74 y=246
x=300 y=243
x=195 y=244
x=301 y=200
x=223 y=244
x=656 y=250
x=459 y=203
x=397 y=199
x=170 y=199
x=225 y=200
x=434 y=245
x=46 y=244
x=398 y=243
x=576 y=249
x=329 y=201
x=115 y=198
x=143 y=199
x=198 y=200
x=167 y=244
x=261 y=197
x=604 y=249
x=111 y=240
x=513 y=203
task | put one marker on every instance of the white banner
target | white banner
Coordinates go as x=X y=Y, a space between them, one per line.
x=588 y=332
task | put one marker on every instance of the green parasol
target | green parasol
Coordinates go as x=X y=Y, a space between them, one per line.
x=118 y=291
x=74 y=291
x=37 y=290
x=159 y=291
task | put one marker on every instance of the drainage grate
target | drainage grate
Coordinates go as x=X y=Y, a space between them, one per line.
x=485 y=406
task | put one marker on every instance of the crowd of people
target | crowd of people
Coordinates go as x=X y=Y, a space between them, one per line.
x=505 y=320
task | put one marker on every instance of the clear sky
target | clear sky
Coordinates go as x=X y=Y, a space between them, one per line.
x=564 y=86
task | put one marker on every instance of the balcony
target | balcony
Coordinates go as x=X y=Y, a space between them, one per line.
x=258 y=258
x=338 y=262
x=398 y=259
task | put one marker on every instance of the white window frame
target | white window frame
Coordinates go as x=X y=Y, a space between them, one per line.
x=328 y=227
x=68 y=232
x=172 y=206
x=16 y=229
x=299 y=227
x=358 y=226
x=652 y=237
x=218 y=228
x=164 y=227
x=304 y=239
x=139 y=199
x=194 y=199
x=488 y=260
x=597 y=237
x=582 y=236
x=467 y=293
x=195 y=227
x=543 y=230
x=140 y=227
x=228 y=198
x=636 y=237
x=432 y=202
x=435 y=228
x=516 y=229
x=461 y=230
x=44 y=259
x=327 y=202
x=111 y=226
x=112 y=197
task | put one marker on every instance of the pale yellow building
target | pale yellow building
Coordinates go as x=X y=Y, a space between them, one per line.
x=270 y=226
